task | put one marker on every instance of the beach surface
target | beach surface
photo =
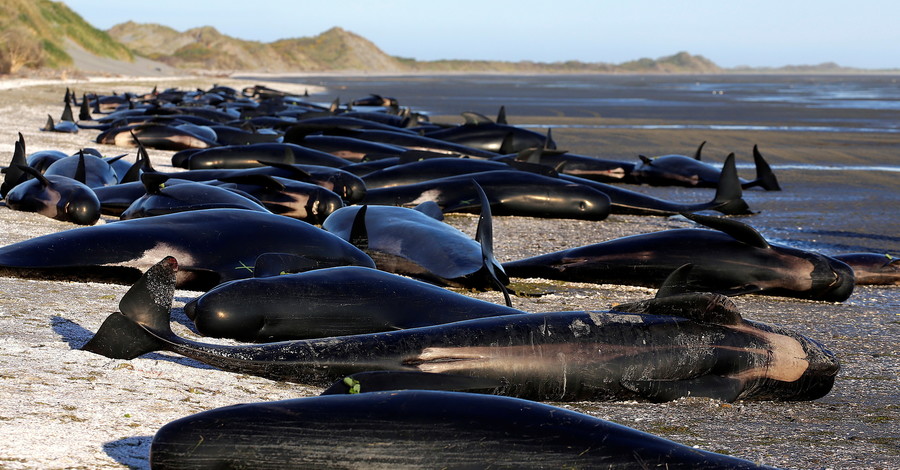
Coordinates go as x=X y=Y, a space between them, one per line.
x=64 y=408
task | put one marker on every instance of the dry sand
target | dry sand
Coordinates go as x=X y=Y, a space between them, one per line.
x=64 y=408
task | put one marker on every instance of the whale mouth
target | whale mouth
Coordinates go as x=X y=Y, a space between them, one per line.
x=842 y=283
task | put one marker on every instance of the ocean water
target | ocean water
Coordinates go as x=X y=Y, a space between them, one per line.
x=857 y=103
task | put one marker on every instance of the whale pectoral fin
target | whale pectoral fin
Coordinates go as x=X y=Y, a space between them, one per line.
x=709 y=386
x=376 y=381
x=702 y=307
x=739 y=231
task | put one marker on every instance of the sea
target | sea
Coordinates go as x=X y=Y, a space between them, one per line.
x=828 y=206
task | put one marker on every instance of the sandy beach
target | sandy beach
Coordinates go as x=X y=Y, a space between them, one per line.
x=64 y=408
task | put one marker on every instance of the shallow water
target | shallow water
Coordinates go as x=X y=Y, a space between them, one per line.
x=859 y=103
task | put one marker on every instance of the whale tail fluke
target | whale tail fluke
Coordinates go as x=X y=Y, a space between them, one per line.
x=765 y=177
x=729 y=195
x=121 y=338
x=143 y=318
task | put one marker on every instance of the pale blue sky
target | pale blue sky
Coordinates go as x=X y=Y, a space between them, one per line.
x=862 y=33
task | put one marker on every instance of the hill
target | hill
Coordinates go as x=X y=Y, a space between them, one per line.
x=37 y=34
x=337 y=49
x=206 y=48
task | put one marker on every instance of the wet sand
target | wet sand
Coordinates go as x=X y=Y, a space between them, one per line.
x=63 y=408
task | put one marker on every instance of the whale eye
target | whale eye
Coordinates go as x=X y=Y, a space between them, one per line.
x=582 y=206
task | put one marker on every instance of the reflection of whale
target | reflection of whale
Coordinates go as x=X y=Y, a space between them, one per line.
x=639 y=351
x=216 y=245
x=415 y=429
x=733 y=259
x=681 y=170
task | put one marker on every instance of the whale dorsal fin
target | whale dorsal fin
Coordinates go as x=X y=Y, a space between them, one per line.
x=12 y=174
x=501 y=116
x=49 y=125
x=740 y=231
x=484 y=236
x=549 y=144
x=765 y=177
x=84 y=113
x=67 y=113
x=703 y=307
x=507 y=145
x=154 y=182
x=473 y=119
x=699 y=151
x=431 y=209
x=676 y=283
x=647 y=160
x=359 y=235
x=81 y=170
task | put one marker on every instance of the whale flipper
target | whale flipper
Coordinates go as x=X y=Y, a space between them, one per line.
x=740 y=231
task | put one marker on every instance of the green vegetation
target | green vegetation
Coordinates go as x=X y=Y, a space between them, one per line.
x=36 y=33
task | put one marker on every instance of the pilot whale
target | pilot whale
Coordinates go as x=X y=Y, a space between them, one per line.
x=216 y=245
x=660 y=349
x=732 y=259
x=416 y=429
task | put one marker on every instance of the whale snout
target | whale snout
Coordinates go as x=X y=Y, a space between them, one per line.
x=839 y=282
x=85 y=211
x=820 y=367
